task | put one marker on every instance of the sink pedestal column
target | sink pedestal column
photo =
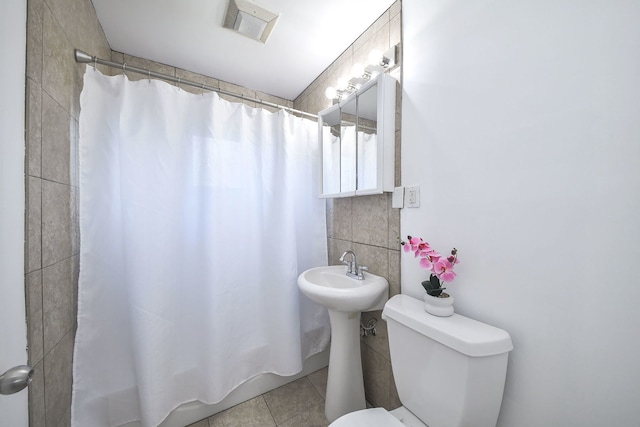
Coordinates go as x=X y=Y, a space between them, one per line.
x=345 y=386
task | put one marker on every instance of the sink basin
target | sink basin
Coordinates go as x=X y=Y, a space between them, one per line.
x=345 y=298
x=332 y=288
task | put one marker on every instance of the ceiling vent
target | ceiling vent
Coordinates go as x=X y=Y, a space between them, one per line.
x=249 y=19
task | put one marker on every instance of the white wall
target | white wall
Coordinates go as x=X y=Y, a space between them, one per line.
x=521 y=124
x=13 y=330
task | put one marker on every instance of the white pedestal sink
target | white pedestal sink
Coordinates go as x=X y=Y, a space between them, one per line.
x=345 y=298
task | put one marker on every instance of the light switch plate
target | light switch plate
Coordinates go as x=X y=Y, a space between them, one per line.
x=412 y=197
x=397 y=201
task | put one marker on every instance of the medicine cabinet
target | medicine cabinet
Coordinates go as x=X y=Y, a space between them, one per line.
x=358 y=141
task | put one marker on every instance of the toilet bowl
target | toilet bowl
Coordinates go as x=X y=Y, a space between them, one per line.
x=449 y=371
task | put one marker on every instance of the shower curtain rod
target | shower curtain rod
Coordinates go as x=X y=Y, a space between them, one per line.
x=85 y=58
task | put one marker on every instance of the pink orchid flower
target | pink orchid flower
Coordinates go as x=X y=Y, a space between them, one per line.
x=444 y=270
x=432 y=254
x=428 y=258
x=426 y=263
x=412 y=244
x=432 y=260
x=420 y=247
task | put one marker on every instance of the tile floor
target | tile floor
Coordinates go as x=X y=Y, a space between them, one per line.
x=297 y=404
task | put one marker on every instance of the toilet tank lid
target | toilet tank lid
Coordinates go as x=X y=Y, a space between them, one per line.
x=467 y=336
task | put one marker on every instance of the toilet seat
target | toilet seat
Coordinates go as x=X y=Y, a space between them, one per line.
x=374 y=417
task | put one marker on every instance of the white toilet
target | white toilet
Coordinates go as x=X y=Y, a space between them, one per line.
x=449 y=371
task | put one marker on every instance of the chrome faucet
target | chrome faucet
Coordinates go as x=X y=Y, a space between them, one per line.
x=354 y=270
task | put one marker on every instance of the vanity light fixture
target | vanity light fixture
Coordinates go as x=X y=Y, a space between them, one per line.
x=379 y=63
x=250 y=19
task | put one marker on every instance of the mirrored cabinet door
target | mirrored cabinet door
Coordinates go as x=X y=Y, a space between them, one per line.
x=330 y=135
x=358 y=140
x=348 y=160
x=368 y=147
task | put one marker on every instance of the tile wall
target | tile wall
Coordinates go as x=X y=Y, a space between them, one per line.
x=54 y=81
x=366 y=224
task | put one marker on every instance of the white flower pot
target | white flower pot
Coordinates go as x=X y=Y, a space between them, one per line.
x=438 y=306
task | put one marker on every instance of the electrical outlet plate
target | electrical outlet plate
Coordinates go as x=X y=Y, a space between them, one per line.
x=412 y=197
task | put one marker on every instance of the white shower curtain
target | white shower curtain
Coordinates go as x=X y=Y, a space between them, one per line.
x=196 y=217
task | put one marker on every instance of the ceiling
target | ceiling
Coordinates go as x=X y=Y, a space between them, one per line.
x=188 y=34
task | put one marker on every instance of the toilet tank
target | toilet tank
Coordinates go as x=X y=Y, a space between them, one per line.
x=449 y=371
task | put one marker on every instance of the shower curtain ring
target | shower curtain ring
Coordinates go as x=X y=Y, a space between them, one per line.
x=95 y=62
x=149 y=73
x=202 y=89
x=124 y=69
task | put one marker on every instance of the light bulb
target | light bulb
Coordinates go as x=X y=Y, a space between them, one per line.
x=357 y=70
x=373 y=70
x=331 y=92
x=375 y=57
x=343 y=83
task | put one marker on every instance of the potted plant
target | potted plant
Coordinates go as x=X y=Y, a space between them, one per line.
x=442 y=270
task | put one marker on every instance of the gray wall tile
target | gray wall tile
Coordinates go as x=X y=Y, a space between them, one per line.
x=74 y=147
x=196 y=78
x=394 y=399
x=33 y=241
x=57 y=379
x=68 y=13
x=35 y=12
x=58 y=66
x=378 y=40
x=66 y=419
x=341 y=218
x=34 y=128
x=230 y=87
x=376 y=371
x=75 y=220
x=380 y=341
x=394 y=224
x=336 y=248
x=115 y=57
x=398 y=158
x=395 y=30
x=56 y=141
x=394 y=273
x=57 y=302
x=147 y=65
x=374 y=257
x=34 y=317
x=80 y=24
x=380 y=25
x=370 y=220
x=36 y=397
x=395 y=9
x=56 y=222
x=75 y=273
